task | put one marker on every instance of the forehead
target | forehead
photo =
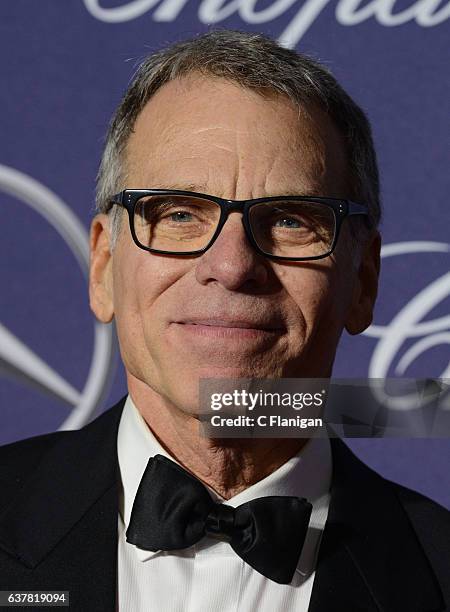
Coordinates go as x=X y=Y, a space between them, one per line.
x=214 y=135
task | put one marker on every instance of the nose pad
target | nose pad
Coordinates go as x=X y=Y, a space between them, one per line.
x=238 y=207
x=249 y=236
x=232 y=260
x=246 y=231
x=229 y=231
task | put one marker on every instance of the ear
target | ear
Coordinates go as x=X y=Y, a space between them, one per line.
x=100 y=272
x=366 y=287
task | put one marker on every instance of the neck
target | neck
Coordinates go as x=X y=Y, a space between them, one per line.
x=228 y=465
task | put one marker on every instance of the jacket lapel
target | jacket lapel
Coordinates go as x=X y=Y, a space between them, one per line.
x=370 y=557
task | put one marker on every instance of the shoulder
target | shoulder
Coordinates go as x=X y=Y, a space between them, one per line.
x=427 y=516
x=430 y=520
x=424 y=510
x=431 y=523
x=19 y=459
x=408 y=529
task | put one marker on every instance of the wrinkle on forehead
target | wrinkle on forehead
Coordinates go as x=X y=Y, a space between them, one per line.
x=258 y=145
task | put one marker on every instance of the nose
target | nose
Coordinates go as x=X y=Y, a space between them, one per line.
x=232 y=261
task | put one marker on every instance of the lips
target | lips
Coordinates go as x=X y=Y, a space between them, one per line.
x=233 y=323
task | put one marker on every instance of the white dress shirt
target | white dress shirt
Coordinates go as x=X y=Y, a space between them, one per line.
x=210 y=576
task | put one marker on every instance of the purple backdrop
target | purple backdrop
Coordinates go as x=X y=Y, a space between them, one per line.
x=64 y=68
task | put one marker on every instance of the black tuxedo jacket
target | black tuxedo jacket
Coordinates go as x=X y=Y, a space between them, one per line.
x=384 y=547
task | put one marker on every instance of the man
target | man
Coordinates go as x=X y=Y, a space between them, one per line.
x=202 y=285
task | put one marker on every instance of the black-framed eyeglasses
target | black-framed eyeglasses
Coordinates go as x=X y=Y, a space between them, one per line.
x=186 y=223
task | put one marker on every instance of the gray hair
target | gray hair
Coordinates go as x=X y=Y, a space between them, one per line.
x=253 y=61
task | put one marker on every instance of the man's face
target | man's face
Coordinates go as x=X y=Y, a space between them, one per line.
x=229 y=312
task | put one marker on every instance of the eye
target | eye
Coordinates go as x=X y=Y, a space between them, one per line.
x=287 y=222
x=181 y=215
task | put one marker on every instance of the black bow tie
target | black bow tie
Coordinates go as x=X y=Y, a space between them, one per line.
x=173 y=510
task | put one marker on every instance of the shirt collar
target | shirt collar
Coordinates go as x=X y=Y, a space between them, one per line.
x=307 y=474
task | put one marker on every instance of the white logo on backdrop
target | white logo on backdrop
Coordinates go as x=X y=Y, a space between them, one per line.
x=409 y=323
x=425 y=13
x=14 y=353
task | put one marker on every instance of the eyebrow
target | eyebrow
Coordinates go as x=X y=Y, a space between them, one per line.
x=199 y=187
x=203 y=188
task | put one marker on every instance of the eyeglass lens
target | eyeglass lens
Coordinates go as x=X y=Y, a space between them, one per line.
x=178 y=223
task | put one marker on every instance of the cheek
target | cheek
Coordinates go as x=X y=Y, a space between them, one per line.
x=317 y=299
x=141 y=284
x=310 y=288
x=127 y=311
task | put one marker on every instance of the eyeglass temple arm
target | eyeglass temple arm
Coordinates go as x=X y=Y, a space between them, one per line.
x=116 y=198
x=359 y=209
